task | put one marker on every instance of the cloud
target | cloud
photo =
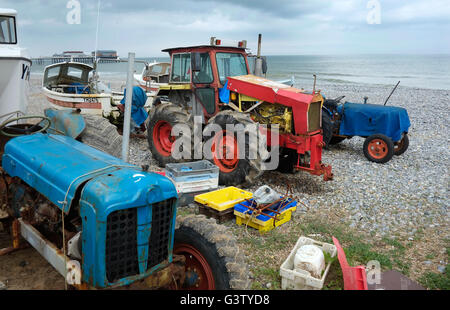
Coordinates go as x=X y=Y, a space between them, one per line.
x=288 y=26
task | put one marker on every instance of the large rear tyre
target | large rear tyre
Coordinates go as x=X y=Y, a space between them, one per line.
x=102 y=135
x=225 y=149
x=213 y=257
x=401 y=146
x=335 y=140
x=327 y=128
x=163 y=118
x=378 y=148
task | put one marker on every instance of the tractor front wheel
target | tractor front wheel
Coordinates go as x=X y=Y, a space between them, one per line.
x=213 y=257
x=239 y=161
x=378 y=148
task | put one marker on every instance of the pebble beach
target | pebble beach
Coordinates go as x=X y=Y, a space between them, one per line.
x=403 y=199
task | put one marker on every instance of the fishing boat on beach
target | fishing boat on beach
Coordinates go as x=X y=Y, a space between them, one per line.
x=152 y=75
x=15 y=65
x=75 y=85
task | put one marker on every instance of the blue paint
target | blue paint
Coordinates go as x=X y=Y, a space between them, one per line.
x=365 y=120
x=50 y=163
x=68 y=122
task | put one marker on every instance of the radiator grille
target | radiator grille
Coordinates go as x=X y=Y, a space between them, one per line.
x=121 y=245
x=314 y=116
x=158 y=251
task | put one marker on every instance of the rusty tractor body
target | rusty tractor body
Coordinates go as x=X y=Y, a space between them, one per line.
x=104 y=223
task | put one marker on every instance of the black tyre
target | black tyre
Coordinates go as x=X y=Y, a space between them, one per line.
x=157 y=101
x=213 y=257
x=159 y=133
x=288 y=160
x=378 y=148
x=327 y=128
x=401 y=146
x=233 y=170
x=102 y=135
x=335 y=140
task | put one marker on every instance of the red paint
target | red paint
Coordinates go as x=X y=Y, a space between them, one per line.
x=225 y=151
x=162 y=138
x=212 y=51
x=76 y=105
x=354 y=277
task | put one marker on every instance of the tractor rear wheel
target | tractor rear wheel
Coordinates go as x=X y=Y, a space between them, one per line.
x=378 y=148
x=102 y=135
x=163 y=118
x=401 y=146
x=225 y=149
x=327 y=128
x=213 y=257
x=335 y=140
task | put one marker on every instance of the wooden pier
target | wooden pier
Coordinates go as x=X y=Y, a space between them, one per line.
x=86 y=60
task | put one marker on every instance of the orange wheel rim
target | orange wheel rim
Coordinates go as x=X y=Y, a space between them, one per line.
x=377 y=148
x=196 y=267
x=225 y=151
x=162 y=137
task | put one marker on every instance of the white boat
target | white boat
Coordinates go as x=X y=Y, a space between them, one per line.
x=152 y=75
x=15 y=65
x=75 y=85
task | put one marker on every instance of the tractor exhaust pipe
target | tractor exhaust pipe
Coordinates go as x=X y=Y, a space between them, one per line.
x=391 y=93
x=259 y=60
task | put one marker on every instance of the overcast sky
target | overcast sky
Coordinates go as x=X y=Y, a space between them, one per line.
x=288 y=27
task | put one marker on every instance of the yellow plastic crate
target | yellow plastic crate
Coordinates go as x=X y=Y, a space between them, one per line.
x=263 y=226
x=223 y=199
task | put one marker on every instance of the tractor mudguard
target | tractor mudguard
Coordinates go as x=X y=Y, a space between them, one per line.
x=69 y=122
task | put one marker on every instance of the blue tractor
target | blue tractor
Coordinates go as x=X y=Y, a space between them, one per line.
x=385 y=128
x=104 y=223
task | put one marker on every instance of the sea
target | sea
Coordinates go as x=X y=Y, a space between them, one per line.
x=417 y=71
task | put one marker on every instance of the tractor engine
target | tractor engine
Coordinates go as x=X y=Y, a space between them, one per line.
x=270 y=114
x=116 y=220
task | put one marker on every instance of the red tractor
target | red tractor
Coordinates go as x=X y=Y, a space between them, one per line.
x=213 y=83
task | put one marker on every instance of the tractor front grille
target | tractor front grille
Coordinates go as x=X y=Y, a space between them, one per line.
x=121 y=255
x=314 y=115
x=121 y=245
x=158 y=251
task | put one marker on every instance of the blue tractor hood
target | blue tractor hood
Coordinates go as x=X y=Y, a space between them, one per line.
x=367 y=119
x=57 y=166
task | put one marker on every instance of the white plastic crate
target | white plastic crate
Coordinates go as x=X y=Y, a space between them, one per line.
x=193 y=177
x=301 y=279
x=196 y=186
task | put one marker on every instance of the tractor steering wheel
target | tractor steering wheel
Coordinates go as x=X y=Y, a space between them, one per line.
x=15 y=131
x=339 y=98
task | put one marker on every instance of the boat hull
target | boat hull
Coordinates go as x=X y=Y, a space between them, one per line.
x=98 y=104
x=14 y=84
